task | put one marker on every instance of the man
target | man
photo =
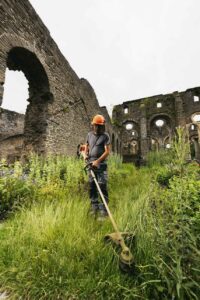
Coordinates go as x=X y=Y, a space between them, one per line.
x=96 y=151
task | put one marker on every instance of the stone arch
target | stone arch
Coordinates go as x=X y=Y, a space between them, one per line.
x=21 y=59
x=135 y=127
x=35 y=126
x=10 y=41
x=131 y=120
x=160 y=115
x=160 y=130
x=131 y=136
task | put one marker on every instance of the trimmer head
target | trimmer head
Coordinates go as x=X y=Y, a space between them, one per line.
x=126 y=260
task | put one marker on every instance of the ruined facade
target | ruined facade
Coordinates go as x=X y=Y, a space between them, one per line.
x=150 y=123
x=60 y=104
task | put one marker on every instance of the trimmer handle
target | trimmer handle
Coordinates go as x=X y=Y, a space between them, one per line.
x=89 y=167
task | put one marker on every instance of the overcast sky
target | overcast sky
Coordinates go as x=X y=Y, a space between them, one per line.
x=127 y=49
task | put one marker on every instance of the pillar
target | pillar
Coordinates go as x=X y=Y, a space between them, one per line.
x=180 y=115
x=197 y=150
x=143 y=132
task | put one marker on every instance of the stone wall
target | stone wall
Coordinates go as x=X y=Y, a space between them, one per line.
x=11 y=123
x=11 y=134
x=138 y=122
x=61 y=104
x=12 y=147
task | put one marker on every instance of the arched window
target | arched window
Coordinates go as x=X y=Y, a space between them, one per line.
x=159 y=123
x=126 y=109
x=159 y=104
x=129 y=126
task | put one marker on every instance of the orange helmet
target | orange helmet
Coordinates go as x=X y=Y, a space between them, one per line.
x=98 y=120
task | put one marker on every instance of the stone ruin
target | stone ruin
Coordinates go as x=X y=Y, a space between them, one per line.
x=149 y=124
x=61 y=105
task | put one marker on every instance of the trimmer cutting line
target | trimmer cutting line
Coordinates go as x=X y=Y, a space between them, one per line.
x=126 y=260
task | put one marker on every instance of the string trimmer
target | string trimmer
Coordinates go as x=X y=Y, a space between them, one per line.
x=126 y=261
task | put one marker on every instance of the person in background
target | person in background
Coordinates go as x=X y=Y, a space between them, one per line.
x=96 y=151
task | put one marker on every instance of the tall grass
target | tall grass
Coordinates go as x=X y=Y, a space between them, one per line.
x=52 y=249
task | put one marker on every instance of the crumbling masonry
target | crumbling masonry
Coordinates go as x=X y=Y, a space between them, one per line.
x=150 y=123
x=60 y=104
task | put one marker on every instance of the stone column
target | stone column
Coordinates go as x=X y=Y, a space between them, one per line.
x=143 y=132
x=198 y=129
x=180 y=115
x=197 y=150
x=188 y=140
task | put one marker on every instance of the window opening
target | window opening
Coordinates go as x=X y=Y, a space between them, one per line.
x=15 y=91
x=126 y=110
x=159 y=104
x=159 y=123
x=129 y=126
x=196 y=118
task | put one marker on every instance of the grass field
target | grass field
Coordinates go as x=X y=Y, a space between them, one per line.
x=50 y=248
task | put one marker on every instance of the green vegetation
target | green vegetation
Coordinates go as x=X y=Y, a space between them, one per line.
x=50 y=247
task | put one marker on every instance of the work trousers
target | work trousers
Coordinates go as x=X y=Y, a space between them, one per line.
x=102 y=178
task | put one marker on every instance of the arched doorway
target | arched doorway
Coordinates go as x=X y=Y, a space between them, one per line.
x=160 y=132
x=35 y=125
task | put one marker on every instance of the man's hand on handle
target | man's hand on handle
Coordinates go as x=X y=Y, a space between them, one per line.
x=95 y=163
